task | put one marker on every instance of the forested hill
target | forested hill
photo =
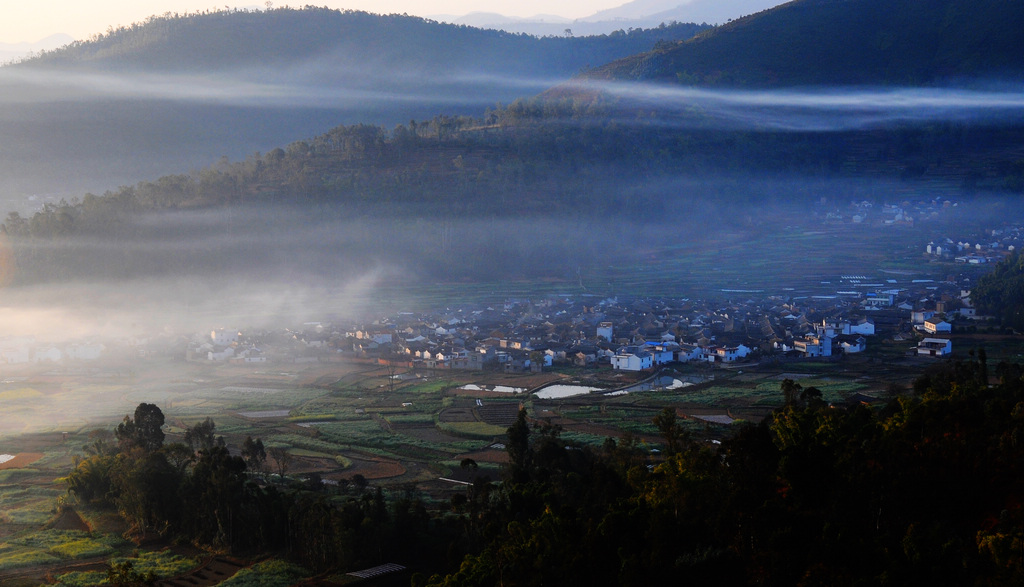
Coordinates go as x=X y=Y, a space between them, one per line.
x=178 y=91
x=279 y=37
x=845 y=42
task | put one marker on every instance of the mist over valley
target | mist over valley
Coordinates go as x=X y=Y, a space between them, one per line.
x=322 y=265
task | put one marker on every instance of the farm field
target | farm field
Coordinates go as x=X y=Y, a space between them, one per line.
x=352 y=425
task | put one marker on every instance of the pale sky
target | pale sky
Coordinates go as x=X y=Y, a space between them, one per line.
x=33 y=20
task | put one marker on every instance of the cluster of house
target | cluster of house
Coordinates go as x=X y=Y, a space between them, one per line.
x=629 y=335
x=902 y=213
x=225 y=345
x=26 y=350
x=991 y=246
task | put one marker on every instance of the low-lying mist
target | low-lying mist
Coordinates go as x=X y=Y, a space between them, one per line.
x=825 y=109
x=260 y=267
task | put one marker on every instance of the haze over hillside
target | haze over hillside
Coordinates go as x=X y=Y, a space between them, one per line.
x=636 y=14
x=863 y=42
x=558 y=187
x=16 y=51
x=175 y=93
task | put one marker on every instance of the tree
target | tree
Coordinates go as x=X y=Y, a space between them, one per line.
x=254 y=454
x=99 y=442
x=518 y=448
x=90 y=479
x=143 y=431
x=674 y=434
x=1001 y=292
x=282 y=458
x=790 y=391
x=179 y=455
x=123 y=574
x=201 y=436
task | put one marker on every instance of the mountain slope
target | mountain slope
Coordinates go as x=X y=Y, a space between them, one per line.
x=710 y=11
x=845 y=42
x=175 y=92
x=228 y=40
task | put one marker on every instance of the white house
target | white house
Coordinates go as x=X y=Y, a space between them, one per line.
x=661 y=353
x=14 y=353
x=864 y=326
x=223 y=336
x=48 y=353
x=851 y=343
x=814 y=346
x=934 y=347
x=84 y=352
x=935 y=325
x=604 y=330
x=919 y=316
x=731 y=354
x=633 y=361
x=879 y=299
x=689 y=352
x=223 y=355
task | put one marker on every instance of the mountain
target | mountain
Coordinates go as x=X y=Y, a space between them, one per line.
x=637 y=14
x=174 y=92
x=709 y=11
x=845 y=42
x=14 y=51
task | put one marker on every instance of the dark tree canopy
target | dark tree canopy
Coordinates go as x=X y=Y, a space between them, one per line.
x=1001 y=293
x=143 y=430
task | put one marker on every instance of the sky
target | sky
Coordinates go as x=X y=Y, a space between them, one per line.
x=28 y=21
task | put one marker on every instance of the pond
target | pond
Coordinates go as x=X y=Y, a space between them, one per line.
x=563 y=391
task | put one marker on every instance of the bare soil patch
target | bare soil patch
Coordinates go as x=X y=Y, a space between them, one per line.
x=22 y=460
x=457 y=415
x=424 y=433
x=68 y=519
x=373 y=468
x=490 y=455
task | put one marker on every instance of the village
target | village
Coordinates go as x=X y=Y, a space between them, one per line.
x=636 y=334
x=629 y=334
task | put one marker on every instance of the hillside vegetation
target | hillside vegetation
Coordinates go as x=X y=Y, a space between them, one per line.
x=847 y=42
x=177 y=91
x=923 y=491
x=286 y=37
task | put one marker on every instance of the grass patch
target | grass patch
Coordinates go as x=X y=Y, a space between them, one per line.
x=832 y=390
x=82 y=548
x=163 y=563
x=15 y=557
x=34 y=513
x=16 y=475
x=312 y=418
x=428 y=387
x=414 y=418
x=480 y=430
x=271 y=573
x=82 y=579
x=74 y=544
x=583 y=438
x=25 y=393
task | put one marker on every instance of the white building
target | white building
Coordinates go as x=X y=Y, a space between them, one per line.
x=84 y=352
x=814 y=346
x=934 y=347
x=223 y=336
x=604 y=330
x=935 y=325
x=633 y=361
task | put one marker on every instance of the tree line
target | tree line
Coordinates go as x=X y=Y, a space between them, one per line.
x=926 y=489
